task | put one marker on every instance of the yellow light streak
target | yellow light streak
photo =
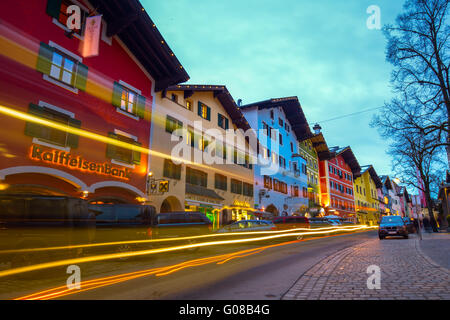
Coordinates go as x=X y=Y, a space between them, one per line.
x=115 y=243
x=112 y=256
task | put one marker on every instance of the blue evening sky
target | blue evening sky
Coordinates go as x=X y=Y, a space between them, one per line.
x=318 y=50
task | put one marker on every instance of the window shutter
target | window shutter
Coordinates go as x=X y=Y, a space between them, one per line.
x=81 y=77
x=177 y=172
x=72 y=139
x=226 y=124
x=117 y=95
x=111 y=149
x=44 y=61
x=33 y=129
x=208 y=113
x=219 y=120
x=136 y=158
x=199 y=110
x=53 y=8
x=140 y=106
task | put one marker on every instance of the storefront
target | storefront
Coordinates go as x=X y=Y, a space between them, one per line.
x=210 y=206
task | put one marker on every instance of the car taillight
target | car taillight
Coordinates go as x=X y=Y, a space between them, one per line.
x=149 y=232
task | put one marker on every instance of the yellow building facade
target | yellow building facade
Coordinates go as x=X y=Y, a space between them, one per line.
x=224 y=192
x=366 y=196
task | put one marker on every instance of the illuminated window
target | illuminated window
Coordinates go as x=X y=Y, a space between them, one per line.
x=189 y=105
x=204 y=111
x=128 y=101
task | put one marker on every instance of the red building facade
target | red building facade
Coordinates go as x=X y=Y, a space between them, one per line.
x=44 y=76
x=336 y=182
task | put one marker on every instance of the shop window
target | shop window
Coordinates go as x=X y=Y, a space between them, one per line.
x=122 y=153
x=173 y=124
x=48 y=134
x=221 y=182
x=196 y=177
x=128 y=100
x=236 y=186
x=171 y=170
x=61 y=67
x=204 y=111
x=248 y=189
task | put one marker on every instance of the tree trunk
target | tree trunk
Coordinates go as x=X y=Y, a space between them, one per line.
x=430 y=209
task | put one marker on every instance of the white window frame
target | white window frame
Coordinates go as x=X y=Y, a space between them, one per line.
x=123 y=112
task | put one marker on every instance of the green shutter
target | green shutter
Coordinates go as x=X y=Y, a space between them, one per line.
x=72 y=139
x=81 y=77
x=140 y=106
x=44 y=61
x=117 y=95
x=226 y=124
x=199 y=111
x=33 y=129
x=136 y=157
x=111 y=149
x=54 y=8
x=219 y=120
x=208 y=113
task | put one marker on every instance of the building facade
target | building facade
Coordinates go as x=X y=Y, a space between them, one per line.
x=200 y=115
x=308 y=152
x=336 y=182
x=281 y=185
x=366 y=196
x=44 y=77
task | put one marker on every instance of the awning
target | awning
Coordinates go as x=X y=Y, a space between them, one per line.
x=202 y=191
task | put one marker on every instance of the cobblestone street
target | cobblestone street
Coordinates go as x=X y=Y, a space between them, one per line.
x=407 y=272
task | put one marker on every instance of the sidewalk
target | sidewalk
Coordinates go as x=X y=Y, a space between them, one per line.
x=406 y=272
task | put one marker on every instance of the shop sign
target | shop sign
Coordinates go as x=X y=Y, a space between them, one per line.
x=62 y=158
x=238 y=203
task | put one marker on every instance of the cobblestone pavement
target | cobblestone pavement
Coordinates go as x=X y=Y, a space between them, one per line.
x=406 y=273
x=437 y=247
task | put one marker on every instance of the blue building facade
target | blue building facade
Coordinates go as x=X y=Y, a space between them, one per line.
x=281 y=185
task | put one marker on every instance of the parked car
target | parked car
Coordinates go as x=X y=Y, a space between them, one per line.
x=285 y=223
x=122 y=222
x=392 y=226
x=248 y=226
x=409 y=224
x=37 y=221
x=319 y=223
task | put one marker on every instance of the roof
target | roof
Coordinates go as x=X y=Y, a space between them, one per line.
x=130 y=22
x=384 y=180
x=349 y=158
x=202 y=191
x=319 y=143
x=220 y=92
x=293 y=111
x=373 y=175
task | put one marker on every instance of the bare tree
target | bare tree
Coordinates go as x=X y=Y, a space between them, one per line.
x=419 y=49
x=415 y=153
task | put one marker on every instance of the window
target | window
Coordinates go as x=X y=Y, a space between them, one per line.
x=282 y=162
x=123 y=154
x=61 y=67
x=281 y=139
x=196 y=177
x=288 y=129
x=222 y=122
x=280 y=122
x=236 y=186
x=296 y=191
x=305 y=192
x=189 y=105
x=204 y=111
x=292 y=147
x=220 y=182
x=48 y=134
x=173 y=124
x=274 y=158
x=58 y=10
x=267 y=182
x=248 y=189
x=174 y=98
x=265 y=128
x=171 y=170
x=271 y=114
x=128 y=99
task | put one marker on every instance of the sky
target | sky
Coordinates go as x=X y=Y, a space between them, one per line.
x=320 y=51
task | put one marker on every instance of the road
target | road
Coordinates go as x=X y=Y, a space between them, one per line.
x=265 y=275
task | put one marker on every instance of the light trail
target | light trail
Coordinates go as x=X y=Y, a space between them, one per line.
x=115 y=243
x=62 y=291
x=112 y=256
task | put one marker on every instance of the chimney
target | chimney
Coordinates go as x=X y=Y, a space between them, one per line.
x=317 y=128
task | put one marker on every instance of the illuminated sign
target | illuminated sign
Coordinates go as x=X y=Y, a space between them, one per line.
x=65 y=159
x=241 y=204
